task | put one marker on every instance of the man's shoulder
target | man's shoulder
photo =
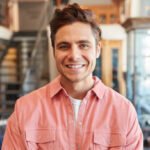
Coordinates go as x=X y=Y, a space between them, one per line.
x=117 y=100
x=110 y=95
x=34 y=95
x=42 y=93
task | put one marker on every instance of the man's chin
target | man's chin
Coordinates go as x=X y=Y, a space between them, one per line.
x=75 y=79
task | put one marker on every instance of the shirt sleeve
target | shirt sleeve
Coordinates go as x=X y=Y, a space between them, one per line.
x=13 y=139
x=134 y=133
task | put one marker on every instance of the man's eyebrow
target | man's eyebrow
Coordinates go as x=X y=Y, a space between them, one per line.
x=83 y=41
x=61 y=43
x=78 y=42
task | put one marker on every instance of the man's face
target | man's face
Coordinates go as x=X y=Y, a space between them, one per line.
x=75 y=52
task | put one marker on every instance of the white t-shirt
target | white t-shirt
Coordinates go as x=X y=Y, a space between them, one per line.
x=76 y=105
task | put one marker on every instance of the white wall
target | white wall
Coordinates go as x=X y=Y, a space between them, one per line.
x=5 y=33
x=113 y=32
x=135 y=8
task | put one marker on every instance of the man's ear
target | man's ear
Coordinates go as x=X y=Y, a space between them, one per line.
x=98 y=49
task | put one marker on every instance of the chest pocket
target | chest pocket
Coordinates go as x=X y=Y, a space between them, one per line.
x=40 y=139
x=109 y=141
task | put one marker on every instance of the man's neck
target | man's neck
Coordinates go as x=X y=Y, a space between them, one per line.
x=78 y=90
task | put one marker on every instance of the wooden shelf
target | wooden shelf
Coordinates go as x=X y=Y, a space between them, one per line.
x=136 y=23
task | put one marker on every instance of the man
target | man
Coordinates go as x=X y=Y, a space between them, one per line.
x=76 y=111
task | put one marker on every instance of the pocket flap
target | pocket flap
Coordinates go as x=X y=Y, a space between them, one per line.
x=109 y=139
x=40 y=135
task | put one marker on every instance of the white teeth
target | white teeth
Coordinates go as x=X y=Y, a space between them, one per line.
x=74 y=66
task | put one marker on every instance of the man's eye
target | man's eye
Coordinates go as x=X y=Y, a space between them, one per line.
x=84 y=46
x=63 y=47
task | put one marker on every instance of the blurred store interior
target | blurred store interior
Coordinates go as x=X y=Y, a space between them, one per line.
x=26 y=56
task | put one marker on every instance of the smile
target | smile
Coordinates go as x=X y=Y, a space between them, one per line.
x=74 y=66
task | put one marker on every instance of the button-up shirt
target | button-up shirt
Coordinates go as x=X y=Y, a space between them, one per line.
x=44 y=120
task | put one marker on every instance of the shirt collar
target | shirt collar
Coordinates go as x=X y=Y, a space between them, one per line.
x=55 y=87
x=99 y=88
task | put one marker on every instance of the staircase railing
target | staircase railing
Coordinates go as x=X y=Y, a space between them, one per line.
x=35 y=76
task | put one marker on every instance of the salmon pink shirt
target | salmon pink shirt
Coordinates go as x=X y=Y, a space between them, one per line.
x=45 y=120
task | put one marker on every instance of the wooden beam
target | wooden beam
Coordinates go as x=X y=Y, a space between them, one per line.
x=58 y=3
x=118 y=2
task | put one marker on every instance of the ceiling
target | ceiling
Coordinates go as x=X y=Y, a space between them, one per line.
x=88 y=2
x=91 y=2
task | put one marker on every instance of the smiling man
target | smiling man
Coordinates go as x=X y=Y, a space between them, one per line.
x=75 y=56
x=76 y=111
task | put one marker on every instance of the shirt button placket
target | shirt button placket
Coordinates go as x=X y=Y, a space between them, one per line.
x=79 y=124
x=71 y=128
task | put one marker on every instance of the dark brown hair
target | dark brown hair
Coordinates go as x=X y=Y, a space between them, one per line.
x=70 y=14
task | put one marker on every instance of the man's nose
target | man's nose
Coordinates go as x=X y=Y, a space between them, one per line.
x=75 y=53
